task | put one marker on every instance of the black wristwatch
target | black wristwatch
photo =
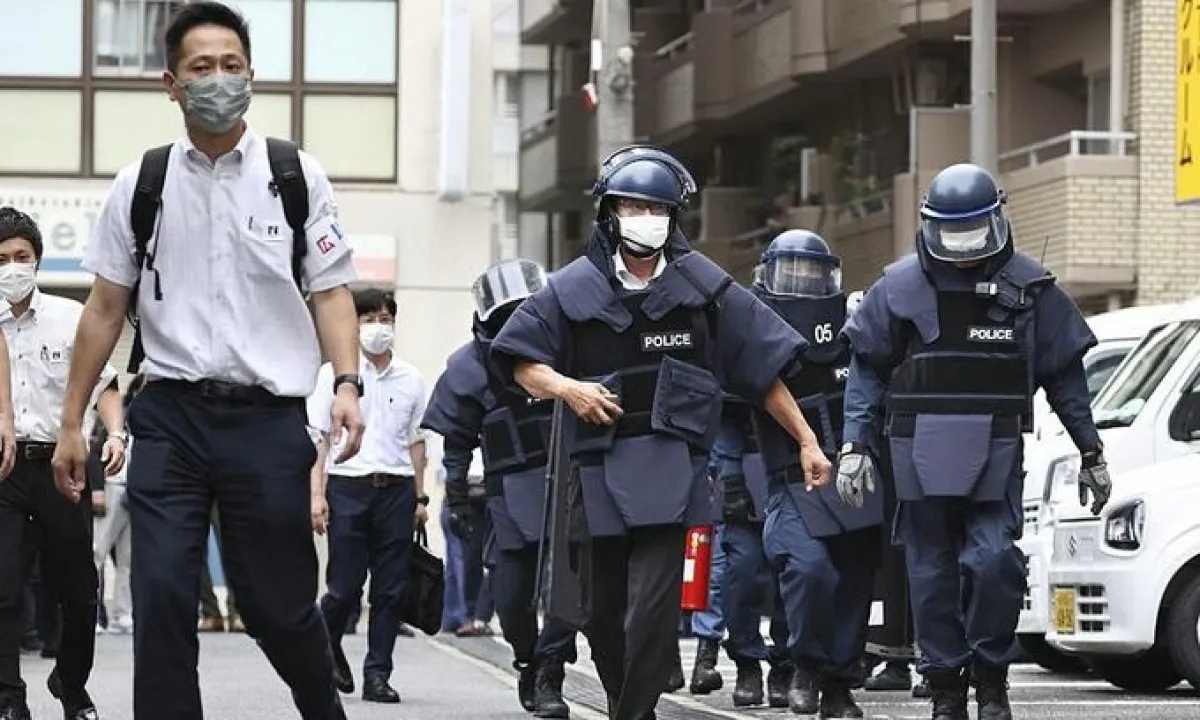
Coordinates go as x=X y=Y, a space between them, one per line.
x=348 y=378
x=423 y=500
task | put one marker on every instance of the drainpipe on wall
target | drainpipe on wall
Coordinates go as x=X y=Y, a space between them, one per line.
x=453 y=160
x=1116 y=70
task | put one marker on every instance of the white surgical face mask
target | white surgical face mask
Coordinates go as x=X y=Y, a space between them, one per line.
x=647 y=233
x=17 y=280
x=376 y=338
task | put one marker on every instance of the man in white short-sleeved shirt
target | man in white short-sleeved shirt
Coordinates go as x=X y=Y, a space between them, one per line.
x=231 y=354
x=375 y=497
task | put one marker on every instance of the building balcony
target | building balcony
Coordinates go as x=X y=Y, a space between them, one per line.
x=554 y=22
x=1073 y=201
x=671 y=100
x=558 y=160
x=506 y=153
x=919 y=15
x=858 y=28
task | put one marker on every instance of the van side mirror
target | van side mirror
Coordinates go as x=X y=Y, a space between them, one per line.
x=1184 y=423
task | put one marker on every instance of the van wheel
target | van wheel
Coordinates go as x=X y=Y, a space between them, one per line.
x=1039 y=651
x=1183 y=632
x=1149 y=673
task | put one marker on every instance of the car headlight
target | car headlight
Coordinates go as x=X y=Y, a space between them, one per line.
x=1124 y=527
x=1063 y=473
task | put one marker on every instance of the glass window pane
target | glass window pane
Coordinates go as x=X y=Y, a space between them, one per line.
x=49 y=42
x=270 y=37
x=350 y=41
x=353 y=136
x=129 y=36
x=128 y=122
x=40 y=130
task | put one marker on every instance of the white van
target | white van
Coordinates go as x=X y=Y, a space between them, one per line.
x=1118 y=332
x=1149 y=415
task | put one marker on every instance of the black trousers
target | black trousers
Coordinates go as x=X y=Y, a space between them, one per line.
x=474 y=563
x=633 y=627
x=513 y=584
x=62 y=531
x=253 y=461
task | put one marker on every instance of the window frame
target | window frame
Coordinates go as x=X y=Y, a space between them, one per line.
x=89 y=82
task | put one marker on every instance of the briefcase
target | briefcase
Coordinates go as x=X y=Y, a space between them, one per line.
x=426 y=587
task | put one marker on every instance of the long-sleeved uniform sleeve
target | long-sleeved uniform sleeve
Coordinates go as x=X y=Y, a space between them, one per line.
x=1063 y=337
x=874 y=351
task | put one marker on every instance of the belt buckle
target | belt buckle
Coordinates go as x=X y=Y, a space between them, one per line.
x=379 y=480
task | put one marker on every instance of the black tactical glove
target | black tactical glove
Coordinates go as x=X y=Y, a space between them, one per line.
x=738 y=504
x=459 y=506
x=1093 y=478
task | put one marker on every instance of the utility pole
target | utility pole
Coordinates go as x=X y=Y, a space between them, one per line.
x=612 y=74
x=984 y=146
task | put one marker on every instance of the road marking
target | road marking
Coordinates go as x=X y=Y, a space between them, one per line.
x=508 y=679
x=1052 y=703
x=680 y=701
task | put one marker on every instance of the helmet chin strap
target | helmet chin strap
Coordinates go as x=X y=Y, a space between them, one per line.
x=637 y=249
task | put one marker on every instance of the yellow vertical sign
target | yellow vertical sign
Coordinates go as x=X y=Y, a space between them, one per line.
x=1187 y=102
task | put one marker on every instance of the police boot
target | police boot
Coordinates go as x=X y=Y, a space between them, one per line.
x=705 y=677
x=675 y=679
x=949 y=692
x=805 y=697
x=779 y=678
x=749 y=687
x=548 y=699
x=526 y=691
x=838 y=702
x=893 y=676
x=991 y=693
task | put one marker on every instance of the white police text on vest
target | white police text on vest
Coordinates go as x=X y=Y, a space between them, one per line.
x=664 y=341
x=992 y=333
x=841 y=374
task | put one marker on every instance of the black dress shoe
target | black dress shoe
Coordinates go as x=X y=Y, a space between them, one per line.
x=526 y=688
x=76 y=706
x=377 y=690
x=341 y=670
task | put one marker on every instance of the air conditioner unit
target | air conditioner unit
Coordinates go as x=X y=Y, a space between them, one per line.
x=932 y=83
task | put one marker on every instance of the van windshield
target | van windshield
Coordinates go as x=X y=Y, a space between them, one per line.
x=1123 y=398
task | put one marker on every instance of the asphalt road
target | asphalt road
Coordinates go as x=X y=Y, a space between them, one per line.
x=447 y=678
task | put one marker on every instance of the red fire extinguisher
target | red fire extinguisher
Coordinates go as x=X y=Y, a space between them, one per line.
x=697 y=565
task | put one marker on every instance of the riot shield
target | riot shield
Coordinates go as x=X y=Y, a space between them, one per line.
x=565 y=550
x=891 y=633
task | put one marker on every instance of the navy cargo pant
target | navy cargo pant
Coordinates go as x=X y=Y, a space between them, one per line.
x=966 y=578
x=62 y=531
x=747 y=584
x=513 y=584
x=248 y=451
x=370 y=529
x=826 y=585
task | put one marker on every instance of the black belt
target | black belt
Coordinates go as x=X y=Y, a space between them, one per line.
x=227 y=392
x=34 y=450
x=376 y=480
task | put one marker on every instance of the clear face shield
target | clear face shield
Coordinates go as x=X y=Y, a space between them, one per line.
x=507 y=282
x=967 y=239
x=799 y=276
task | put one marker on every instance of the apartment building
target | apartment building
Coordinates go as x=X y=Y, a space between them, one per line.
x=835 y=115
x=394 y=99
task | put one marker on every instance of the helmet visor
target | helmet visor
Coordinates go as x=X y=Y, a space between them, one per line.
x=965 y=240
x=800 y=276
x=507 y=282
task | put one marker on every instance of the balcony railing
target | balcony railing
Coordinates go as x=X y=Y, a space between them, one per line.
x=538 y=126
x=676 y=46
x=1070 y=144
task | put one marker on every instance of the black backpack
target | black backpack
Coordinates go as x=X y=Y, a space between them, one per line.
x=288 y=182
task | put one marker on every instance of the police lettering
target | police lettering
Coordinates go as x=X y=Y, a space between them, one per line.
x=994 y=333
x=662 y=341
x=841 y=374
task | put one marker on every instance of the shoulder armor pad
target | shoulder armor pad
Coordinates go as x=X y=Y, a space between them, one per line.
x=708 y=278
x=583 y=292
x=692 y=281
x=907 y=264
x=1019 y=282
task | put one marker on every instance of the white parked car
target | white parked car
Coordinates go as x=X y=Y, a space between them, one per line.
x=1118 y=332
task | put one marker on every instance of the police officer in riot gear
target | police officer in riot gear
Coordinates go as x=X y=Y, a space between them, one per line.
x=958 y=337
x=470 y=409
x=825 y=551
x=638 y=338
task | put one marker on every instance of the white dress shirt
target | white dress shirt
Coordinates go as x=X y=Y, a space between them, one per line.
x=40 y=343
x=632 y=282
x=230 y=309
x=392 y=405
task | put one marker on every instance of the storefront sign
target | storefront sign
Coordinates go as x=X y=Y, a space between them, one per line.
x=68 y=218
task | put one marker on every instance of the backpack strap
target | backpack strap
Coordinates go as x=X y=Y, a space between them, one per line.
x=143 y=218
x=289 y=182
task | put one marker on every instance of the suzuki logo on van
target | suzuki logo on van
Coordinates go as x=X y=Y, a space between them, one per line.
x=994 y=333
x=673 y=340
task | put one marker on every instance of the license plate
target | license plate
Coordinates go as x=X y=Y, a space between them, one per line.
x=1064 y=611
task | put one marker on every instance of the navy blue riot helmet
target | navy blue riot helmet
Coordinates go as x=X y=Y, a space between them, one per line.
x=799 y=263
x=640 y=191
x=962 y=216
